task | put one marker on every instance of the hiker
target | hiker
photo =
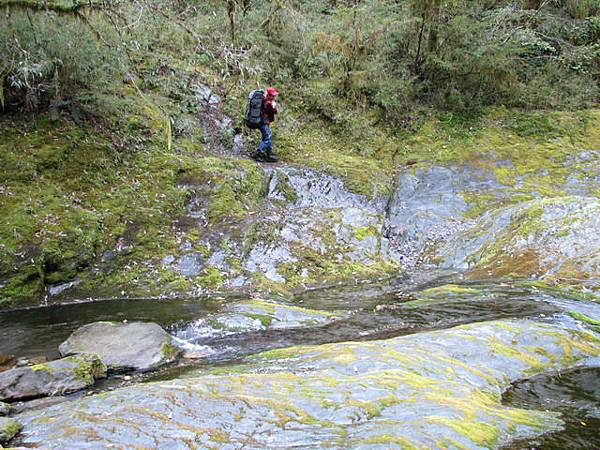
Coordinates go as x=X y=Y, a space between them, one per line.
x=263 y=120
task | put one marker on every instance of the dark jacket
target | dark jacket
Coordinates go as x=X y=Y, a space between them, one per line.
x=268 y=112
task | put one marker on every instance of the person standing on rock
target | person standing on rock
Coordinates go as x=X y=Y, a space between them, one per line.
x=269 y=108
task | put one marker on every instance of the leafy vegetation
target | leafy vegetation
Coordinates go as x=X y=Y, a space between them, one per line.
x=396 y=56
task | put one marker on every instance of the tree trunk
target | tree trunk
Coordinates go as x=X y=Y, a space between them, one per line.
x=418 y=55
x=231 y=12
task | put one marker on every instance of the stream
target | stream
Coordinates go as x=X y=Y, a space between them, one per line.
x=575 y=394
x=371 y=311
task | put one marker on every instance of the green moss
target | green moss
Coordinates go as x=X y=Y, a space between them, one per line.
x=232 y=186
x=280 y=353
x=285 y=187
x=503 y=349
x=228 y=370
x=313 y=267
x=264 y=319
x=371 y=409
x=542 y=352
x=73 y=195
x=364 y=171
x=481 y=433
x=82 y=368
x=88 y=372
x=536 y=124
x=73 y=199
x=9 y=428
x=448 y=289
x=76 y=192
x=593 y=323
x=364 y=232
x=496 y=261
x=24 y=288
x=267 y=307
x=41 y=367
x=211 y=277
x=389 y=401
x=169 y=351
x=388 y=439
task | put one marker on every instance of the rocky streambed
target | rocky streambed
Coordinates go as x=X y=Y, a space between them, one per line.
x=394 y=364
x=430 y=311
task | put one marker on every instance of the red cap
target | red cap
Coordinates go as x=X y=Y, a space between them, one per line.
x=272 y=91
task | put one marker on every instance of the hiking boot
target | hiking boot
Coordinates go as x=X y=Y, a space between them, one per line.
x=259 y=156
x=271 y=157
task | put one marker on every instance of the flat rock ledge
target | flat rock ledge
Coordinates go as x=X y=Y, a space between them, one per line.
x=8 y=429
x=123 y=346
x=54 y=378
x=431 y=390
x=255 y=315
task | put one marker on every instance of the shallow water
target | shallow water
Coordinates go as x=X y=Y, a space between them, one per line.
x=575 y=394
x=39 y=331
x=369 y=324
x=374 y=311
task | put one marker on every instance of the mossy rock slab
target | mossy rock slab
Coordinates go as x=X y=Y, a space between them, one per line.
x=431 y=203
x=8 y=429
x=431 y=390
x=54 y=378
x=4 y=409
x=428 y=204
x=309 y=228
x=556 y=236
x=303 y=187
x=123 y=346
x=280 y=316
x=316 y=229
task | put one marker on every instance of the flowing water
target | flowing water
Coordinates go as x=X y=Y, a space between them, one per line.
x=39 y=331
x=575 y=394
x=371 y=311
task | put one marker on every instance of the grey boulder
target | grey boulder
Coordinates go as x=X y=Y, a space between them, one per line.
x=123 y=346
x=54 y=378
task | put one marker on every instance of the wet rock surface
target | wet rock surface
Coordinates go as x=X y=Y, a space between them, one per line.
x=251 y=316
x=123 y=346
x=20 y=407
x=249 y=227
x=54 y=378
x=432 y=389
x=541 y=237
x=311 y=223
x=361 y=378
x=429 y=204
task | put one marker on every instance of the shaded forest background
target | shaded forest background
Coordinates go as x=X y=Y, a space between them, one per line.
x=398 y=57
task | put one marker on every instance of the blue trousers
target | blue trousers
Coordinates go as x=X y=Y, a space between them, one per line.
x=267 y=139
